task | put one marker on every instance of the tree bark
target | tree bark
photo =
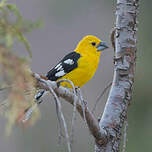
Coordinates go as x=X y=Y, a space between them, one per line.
x=107 y=133
x=98 y=133
x=115 y=111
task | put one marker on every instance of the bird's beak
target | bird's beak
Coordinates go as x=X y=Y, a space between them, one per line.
x=101 y=46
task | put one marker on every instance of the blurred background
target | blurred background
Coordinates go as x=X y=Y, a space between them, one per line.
x=65 y=23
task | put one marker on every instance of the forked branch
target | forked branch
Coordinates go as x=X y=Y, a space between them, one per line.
x=98 y=133
x=115 y=111
x=107 y=132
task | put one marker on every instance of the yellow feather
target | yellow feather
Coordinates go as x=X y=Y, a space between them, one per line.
x=87 y=63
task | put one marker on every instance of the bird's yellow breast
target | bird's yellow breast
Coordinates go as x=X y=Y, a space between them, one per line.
x=87 y=66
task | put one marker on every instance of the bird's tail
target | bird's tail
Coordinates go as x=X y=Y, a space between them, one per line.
x=28 y=112
x=39 y=95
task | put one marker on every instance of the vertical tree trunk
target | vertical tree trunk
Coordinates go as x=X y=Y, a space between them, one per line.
x=120 y=94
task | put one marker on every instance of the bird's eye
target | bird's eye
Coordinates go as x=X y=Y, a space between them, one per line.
x=93 y=43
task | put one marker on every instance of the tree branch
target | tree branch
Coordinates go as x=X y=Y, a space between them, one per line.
x=98 y=133
x=120 y=94
x=107 y=132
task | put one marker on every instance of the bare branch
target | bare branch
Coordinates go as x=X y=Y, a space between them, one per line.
x=74 y=106
x=5 y=88
x=107 y=133
x=98 y=133
x=82 y=102
x=100 y=96
x=125 y=135
x=61 y=114
x=60 y=134
x=116 y=107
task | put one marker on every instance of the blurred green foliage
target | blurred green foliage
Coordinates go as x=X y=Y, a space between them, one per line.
x=12 y=26
x=14 y=70
x=140 y=111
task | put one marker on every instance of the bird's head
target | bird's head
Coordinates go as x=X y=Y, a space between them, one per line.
x=91 y=44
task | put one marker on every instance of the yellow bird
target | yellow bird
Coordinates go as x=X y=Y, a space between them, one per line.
x=78 y=66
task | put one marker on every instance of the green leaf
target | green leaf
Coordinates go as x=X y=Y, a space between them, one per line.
x=22 y=38
x=36 y=24
x=9 y=40
x=2 y=3
x=13 y=9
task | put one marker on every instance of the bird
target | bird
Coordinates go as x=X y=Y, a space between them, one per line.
x=79 y=66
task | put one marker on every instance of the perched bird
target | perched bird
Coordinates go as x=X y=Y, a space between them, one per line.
x=78 y=66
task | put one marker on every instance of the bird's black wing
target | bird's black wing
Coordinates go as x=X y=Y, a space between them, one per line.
x=66 y=65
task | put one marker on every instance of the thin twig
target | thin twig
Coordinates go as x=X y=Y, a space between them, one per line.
x=5 y=88
x=60 y=111
x=4 y=106
x=74 y=106
x=100 y=96
x=100 y=134
x=60 y=134
x=125 y=135
x=82 y=102
x=62 y=118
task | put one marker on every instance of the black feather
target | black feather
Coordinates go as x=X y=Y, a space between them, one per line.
x=65 y=67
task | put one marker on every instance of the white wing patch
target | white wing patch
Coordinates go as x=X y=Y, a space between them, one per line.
x=69 y=61
x=60 y=68
x=60 y=73
x=59 y=65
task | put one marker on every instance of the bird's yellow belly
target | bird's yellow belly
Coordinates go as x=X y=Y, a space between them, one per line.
x=82 y=74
